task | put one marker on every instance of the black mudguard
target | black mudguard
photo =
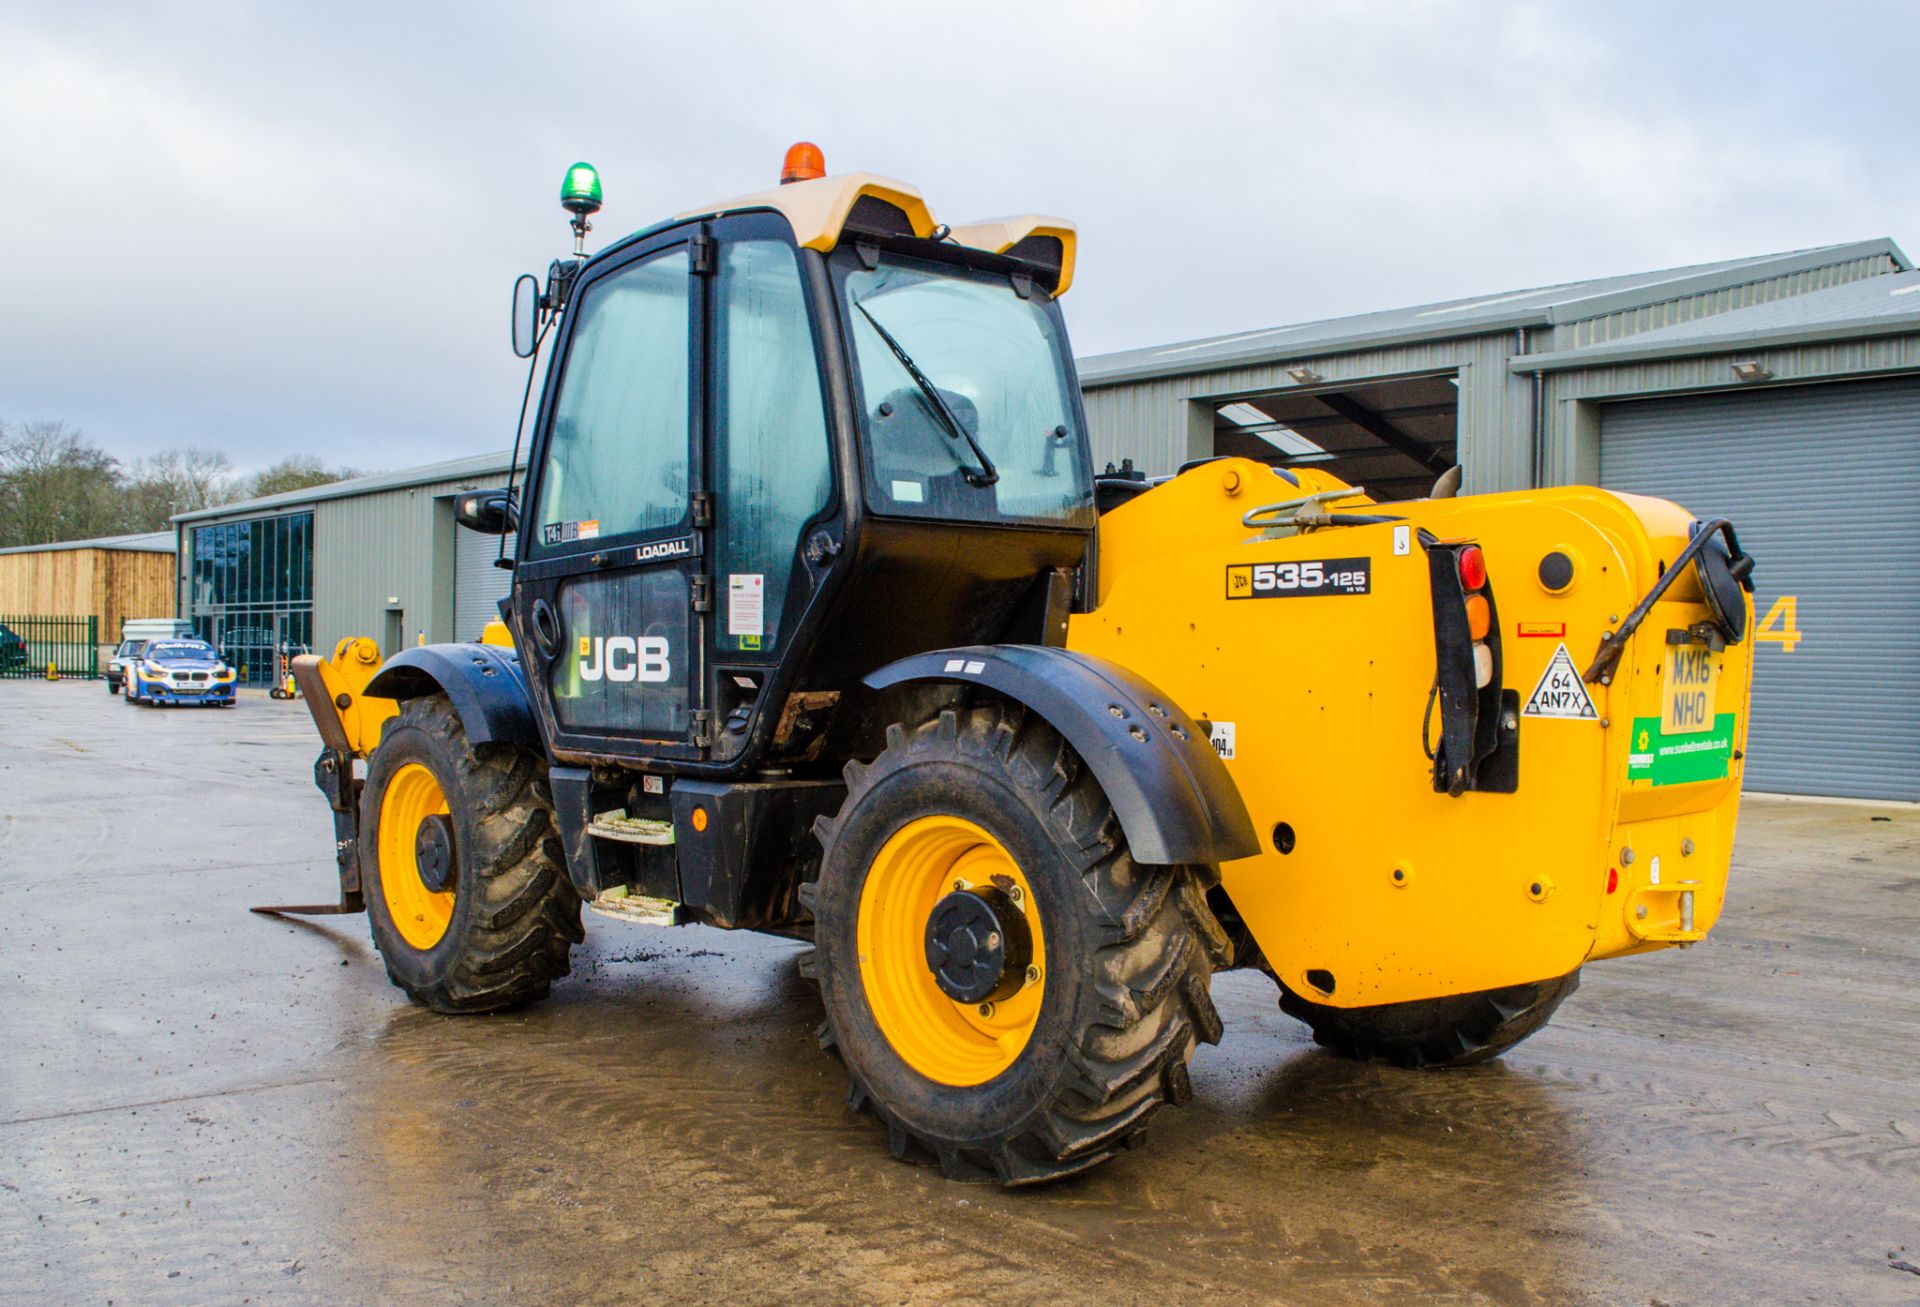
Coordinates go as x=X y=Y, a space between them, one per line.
x=1169 y=789
x=485 y=682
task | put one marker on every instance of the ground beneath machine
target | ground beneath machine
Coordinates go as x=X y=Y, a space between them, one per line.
x=202 y=1105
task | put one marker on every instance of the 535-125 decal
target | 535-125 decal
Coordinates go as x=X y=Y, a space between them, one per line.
x=1316 y=576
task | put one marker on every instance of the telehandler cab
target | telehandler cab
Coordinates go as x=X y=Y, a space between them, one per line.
x=821 y=625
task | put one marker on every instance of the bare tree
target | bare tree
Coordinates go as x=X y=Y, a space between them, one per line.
x=296 y=473
x=176 y=481
x=55 y=485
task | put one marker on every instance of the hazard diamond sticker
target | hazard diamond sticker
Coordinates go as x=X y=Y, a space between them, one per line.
x=1560 y=693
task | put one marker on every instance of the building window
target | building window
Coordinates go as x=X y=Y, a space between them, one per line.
x=250 y=590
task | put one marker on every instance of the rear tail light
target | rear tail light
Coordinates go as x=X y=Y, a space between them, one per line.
x=1473 y=567
x=1471 y=563
x=1479 y=729
x=1479 y=616
x=1482 y=666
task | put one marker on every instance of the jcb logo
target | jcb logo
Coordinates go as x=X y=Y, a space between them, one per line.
x=644 y=658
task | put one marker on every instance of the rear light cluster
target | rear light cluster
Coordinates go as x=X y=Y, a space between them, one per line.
x=1472 y=564
x=1478 y=745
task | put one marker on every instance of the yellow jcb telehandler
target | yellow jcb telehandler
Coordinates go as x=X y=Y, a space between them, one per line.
x=821 y=625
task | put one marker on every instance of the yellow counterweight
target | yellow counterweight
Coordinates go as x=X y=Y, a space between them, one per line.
x=1372 y=887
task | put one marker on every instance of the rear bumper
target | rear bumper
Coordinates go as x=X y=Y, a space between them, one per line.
x=1667 y=873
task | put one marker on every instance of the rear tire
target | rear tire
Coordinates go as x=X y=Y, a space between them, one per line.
x=1459 y=1030
x=1124 y=952
x=500 y=934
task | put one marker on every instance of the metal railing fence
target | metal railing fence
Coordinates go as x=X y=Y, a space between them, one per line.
x=28 y=645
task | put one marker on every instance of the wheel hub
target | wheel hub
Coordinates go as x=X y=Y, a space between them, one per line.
x=978 y=945
x=433 y=851
x=904 y=941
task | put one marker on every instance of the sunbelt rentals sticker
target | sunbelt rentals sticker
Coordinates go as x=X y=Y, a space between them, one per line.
x=1561 y=692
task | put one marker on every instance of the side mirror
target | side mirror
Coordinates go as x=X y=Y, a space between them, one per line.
x=526 y=315
x=490 y=512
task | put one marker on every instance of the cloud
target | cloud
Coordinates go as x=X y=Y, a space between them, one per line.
x=286 y=230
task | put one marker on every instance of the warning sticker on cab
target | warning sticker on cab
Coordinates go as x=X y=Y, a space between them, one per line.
x=560 y=533
x=747 y=605
x=1319 y=576
x=1560 y=692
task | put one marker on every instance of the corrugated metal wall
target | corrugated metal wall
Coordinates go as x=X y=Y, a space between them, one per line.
x=1572 y=397
x=384 y=545
x=1823 y=485
x=478 y=583
x=392 y=544
x=1144 y=420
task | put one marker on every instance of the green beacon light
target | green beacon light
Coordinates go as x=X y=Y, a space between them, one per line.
x=580 y=196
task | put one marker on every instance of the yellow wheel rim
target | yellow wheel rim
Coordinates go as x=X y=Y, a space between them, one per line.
x=947 y=1041
x=421 y=915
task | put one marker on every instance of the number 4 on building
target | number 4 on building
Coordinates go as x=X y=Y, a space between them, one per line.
x=1781 y=624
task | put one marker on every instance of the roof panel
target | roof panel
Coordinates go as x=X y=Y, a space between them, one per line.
x=1874 y=306
x=476 y=465
x=146 y=542
x=1479 y=315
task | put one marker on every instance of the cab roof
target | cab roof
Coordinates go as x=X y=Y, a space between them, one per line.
x=822 y=210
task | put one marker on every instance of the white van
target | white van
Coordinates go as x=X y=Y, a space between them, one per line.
x=156 y=628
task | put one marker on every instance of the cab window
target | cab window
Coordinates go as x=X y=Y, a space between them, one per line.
x=616 y=462
x=770 y=427
x=987 y=430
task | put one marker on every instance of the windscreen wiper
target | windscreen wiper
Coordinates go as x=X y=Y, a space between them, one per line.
x=987 y=473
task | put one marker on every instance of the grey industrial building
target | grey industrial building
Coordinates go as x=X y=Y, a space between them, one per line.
x=378 y=556
x=1781 y=391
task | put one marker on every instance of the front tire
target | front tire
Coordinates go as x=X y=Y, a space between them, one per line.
x=1103 y=975
x=1459 y=1030
x=465 y=894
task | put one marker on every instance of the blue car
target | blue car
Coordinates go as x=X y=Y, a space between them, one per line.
x=180 y=671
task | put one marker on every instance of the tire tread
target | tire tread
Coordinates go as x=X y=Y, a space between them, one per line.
x=522 y=930
x=1459 y=1030
x=1160 y=943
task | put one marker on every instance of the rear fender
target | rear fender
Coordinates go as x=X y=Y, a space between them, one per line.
x=484 y=681
x=1170 y=791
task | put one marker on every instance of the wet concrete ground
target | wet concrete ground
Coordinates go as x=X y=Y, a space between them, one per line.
x=199 y=1105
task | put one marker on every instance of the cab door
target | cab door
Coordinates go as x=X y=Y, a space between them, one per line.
x=770 y=451
x=605 y=604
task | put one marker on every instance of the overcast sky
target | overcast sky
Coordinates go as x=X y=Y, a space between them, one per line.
x=279 y=229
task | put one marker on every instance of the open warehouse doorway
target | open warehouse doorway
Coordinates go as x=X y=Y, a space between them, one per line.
x=1394 y=438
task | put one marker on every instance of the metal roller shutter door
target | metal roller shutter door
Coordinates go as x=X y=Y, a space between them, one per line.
x=1823 y=485
x=478 y=586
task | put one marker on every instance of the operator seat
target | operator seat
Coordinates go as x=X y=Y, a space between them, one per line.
x=914 y=454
